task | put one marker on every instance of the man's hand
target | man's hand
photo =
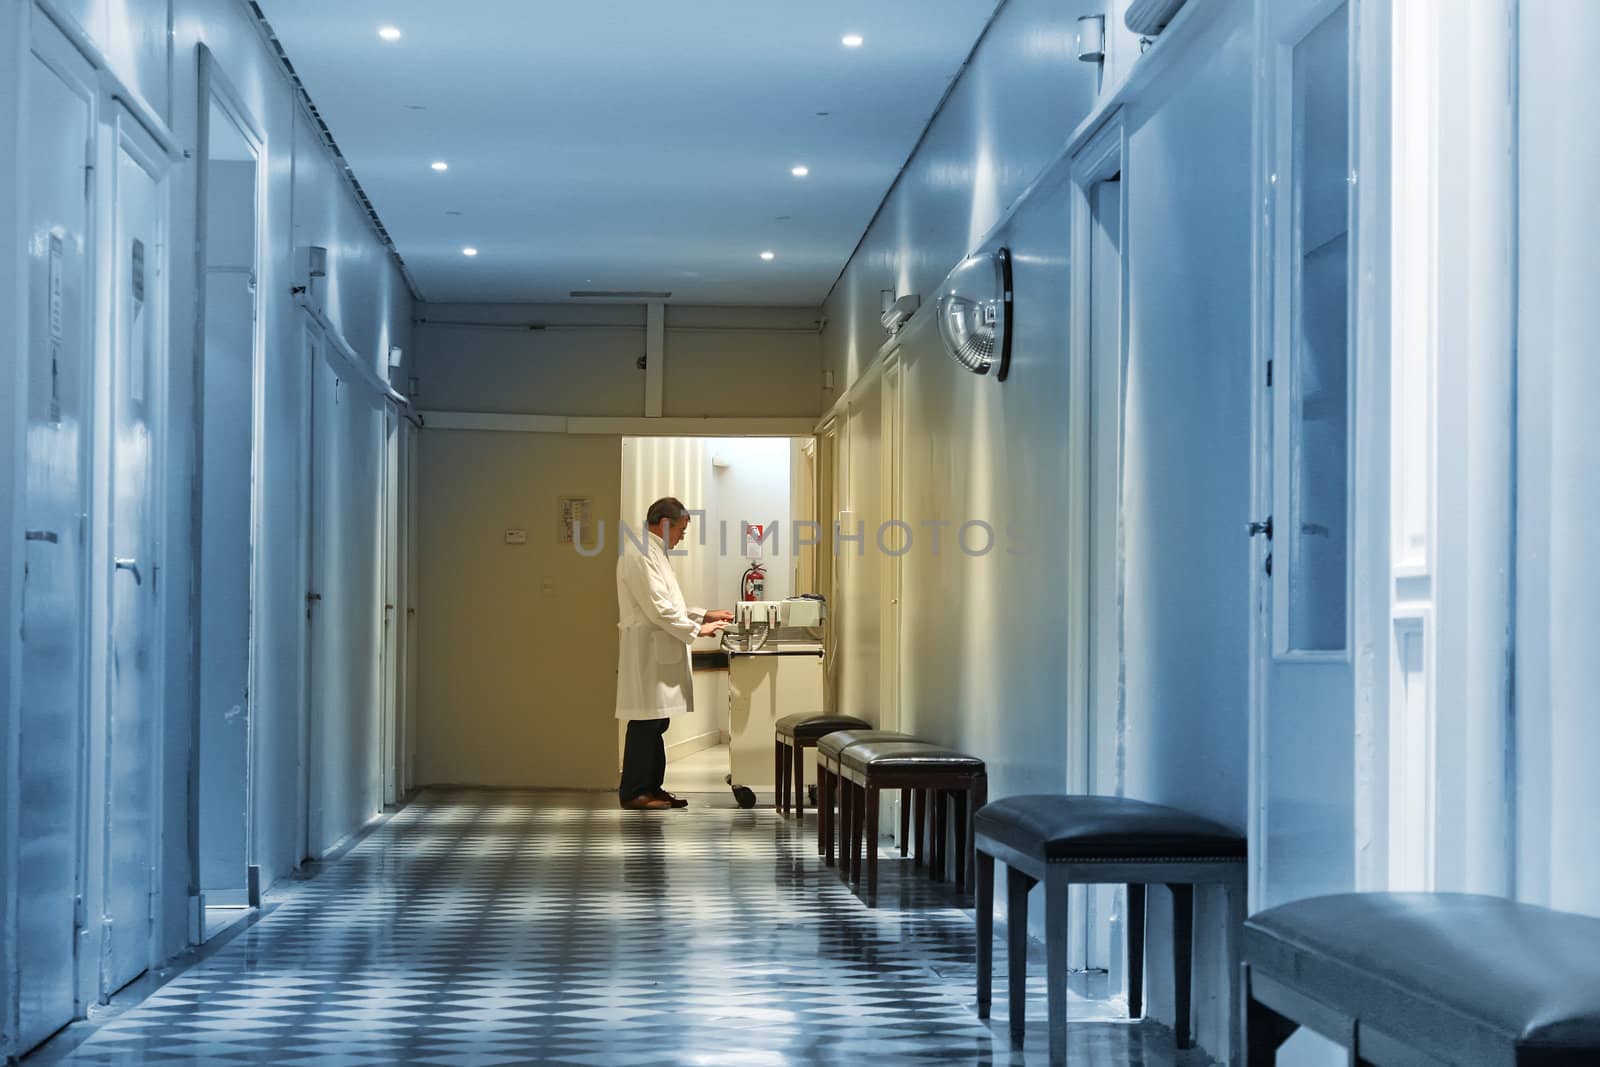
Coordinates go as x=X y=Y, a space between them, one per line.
x=712 y=629
x=719 y=616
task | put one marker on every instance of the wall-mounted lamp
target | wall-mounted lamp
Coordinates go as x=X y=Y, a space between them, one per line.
x=1092 y=38
x=896 y=314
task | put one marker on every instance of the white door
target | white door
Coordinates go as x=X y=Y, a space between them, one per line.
x=1305 y=844
x=322 y=644
x=893 y=541
x=59 y=130
x=310 y=360
x=136 y=383
x=1105 y=522
x=390 y=722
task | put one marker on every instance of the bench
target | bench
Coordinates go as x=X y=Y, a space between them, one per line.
x=911 y=766
x=793 y=734
x=1415 y=978
x=1067 y=840
x=829 y=798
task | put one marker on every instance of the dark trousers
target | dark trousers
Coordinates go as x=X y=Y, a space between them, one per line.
x=644 y=758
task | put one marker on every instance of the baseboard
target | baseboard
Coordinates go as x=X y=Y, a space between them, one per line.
x=724 y=737
x=692 y=745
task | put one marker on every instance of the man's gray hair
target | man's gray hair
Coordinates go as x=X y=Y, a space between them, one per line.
x=669 y=508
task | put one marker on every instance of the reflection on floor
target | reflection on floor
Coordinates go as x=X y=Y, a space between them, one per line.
x=222 y=916
x=705 y=771
x=507 y=928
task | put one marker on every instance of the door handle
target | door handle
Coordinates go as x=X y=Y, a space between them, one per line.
x=132 y=567
x=312 y=598
x=48 y=536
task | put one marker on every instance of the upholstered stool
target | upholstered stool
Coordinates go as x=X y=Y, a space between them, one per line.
x=793 y=735
x=1062 y=840
x=871 y=766
x=831 y=802
x=1424 y=978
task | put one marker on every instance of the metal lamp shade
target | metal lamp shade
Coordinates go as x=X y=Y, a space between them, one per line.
x=975 y=313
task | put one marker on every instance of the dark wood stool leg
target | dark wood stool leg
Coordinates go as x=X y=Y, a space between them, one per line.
x=1017 y=886
x=921 y=800
x=1265 y=1030
x=777 y=773
x=824 y=813
x=841 y=789
x=958 y=829
x=985 y=915
x=905 y=822
x=980 y=797
x=936 y=851
x=1055 y=949
x=872 y=805
x=858 y=827
x=1135 y=950
x=1182 y=959
x=799 y=758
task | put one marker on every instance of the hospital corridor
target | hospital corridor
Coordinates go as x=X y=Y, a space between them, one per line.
x=921 y=531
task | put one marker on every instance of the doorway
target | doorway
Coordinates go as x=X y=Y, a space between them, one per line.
x=1099 y=377
x=227 y=461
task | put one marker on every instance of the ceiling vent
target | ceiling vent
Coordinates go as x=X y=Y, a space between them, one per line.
x=618 y=294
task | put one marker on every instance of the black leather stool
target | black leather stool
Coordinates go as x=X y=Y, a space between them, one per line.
x=1406 y=978
x=1062 y=840
x=871 y=766
x=833 y=803
x=793 y=735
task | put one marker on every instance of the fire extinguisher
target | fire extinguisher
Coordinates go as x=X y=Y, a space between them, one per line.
x=753 y=586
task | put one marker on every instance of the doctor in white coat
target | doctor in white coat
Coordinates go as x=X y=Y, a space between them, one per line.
x=655 y=677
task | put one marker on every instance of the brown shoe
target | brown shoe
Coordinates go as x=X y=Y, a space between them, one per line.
x=646 y=802
x=676 y=802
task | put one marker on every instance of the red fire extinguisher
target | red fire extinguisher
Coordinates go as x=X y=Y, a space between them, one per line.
x=753 y=586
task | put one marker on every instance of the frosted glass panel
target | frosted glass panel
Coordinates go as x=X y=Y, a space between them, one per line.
x=1320 y=370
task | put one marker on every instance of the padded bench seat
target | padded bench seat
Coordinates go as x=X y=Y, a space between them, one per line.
x=828 y=795
x=869 y=766
x=1066 y=840
x=1411 y=978
x=792 y=735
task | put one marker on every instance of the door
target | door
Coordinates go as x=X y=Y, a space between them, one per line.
x=229 y=194
x=60 y=129
x=1306 y=843
x=1105 y=711
x=390 y=722
x=893 y=541
x=319 y=384
x=136 y=383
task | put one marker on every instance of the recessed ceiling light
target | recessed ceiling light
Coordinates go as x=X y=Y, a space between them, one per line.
x=440 y=165
x=389 y=33
x=769 y=256
x=469 y=251
x=852 y=40
x=800 y=171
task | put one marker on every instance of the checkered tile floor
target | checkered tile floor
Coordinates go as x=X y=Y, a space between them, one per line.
x=503 y=928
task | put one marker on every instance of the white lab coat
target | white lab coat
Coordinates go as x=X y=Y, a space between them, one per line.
x=655 y=675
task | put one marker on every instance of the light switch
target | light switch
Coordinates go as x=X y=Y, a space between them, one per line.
x=516 y=537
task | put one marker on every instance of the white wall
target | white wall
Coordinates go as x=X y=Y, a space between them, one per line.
x=1558 y=490
x=151 y=45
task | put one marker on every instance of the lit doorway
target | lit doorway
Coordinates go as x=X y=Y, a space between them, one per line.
x=230 y=191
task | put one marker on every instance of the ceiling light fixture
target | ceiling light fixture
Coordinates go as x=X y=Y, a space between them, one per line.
x=853 y=40
x=469 y=251
x=440 y=165
x=975 y=312
x=769 y=256
x=800 y=171
x=389 y=33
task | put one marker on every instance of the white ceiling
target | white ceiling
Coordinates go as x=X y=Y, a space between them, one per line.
x=627 y=144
